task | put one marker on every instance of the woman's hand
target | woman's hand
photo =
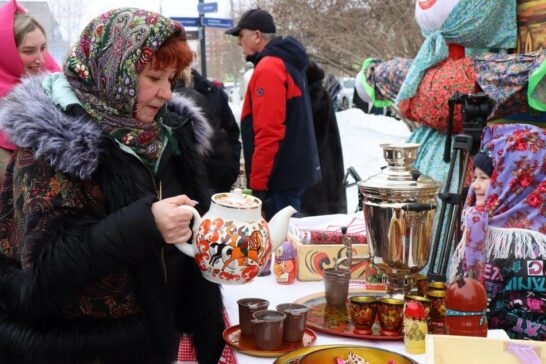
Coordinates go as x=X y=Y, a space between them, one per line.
x=172 y=222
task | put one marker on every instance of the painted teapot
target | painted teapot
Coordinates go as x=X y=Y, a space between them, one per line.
x=232 y=242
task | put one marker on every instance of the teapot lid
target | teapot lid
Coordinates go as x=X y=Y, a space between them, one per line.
x=236 y=199
x=399 y=177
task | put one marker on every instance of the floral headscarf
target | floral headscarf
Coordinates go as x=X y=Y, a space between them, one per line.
x=103 y=70
x=513 y=219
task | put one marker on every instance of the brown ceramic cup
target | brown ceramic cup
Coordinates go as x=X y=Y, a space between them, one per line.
x=363 y=311
x=390 y=312
x=247 y=306
x=294 y=325
x=336 y=284
x=268 y=329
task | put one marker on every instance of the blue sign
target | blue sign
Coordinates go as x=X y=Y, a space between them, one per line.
x=187 y=22
x=217 y=23
x=207 y=8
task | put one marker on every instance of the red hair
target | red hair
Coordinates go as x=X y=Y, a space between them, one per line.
x=175 y=52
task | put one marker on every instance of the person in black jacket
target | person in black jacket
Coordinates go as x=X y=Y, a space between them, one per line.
x=329 y=195
x=223 y=163
x=89 y=208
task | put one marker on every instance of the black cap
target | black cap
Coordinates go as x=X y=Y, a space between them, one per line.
x=254 y=19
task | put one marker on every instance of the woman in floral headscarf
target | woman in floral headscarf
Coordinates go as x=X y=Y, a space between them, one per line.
x=89 y=206
x=504 y=240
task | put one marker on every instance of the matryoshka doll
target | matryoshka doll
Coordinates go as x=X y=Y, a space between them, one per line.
x=285 y=263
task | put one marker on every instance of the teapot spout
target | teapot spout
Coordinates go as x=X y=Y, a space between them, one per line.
x=278 y=225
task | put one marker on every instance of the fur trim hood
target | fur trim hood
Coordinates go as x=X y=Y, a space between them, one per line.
x=72 y=144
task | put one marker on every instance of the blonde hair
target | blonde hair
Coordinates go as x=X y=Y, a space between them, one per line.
x=24 y=24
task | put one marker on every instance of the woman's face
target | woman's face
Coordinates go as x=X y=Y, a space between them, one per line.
x=32 y=51
x=480 y=184
x=153 y=91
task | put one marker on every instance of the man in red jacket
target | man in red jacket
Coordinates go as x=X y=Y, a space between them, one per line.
x=279 y=146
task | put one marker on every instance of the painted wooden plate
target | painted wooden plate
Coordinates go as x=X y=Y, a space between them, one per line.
x=336 y=320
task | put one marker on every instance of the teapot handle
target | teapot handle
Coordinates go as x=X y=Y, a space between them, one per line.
x=188 y=247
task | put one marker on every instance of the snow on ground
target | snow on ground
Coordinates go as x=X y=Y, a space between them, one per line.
x=361 y=134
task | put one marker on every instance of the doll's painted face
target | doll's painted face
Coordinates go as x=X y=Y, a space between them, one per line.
x=480 y=185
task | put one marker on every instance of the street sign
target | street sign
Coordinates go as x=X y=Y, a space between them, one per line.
x=187 y=22
x=207 y=8
x=192 y=34
x=217 y=23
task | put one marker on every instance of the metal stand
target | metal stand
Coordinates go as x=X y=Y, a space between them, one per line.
x=351 y=172
x=475 y=110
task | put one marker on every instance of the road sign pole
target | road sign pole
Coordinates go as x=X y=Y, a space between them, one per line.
x=203 y=43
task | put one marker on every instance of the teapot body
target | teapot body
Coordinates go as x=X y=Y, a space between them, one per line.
x=232 y=243
x=232 y=246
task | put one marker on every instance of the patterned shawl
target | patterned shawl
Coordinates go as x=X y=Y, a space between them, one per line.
x=513 y=220
x=103 y=70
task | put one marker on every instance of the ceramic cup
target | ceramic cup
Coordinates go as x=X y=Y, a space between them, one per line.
x=363 y=311
x=336 y=284
x=294 y=325
x=247 y=306
x=268 y=329
x=390 y=312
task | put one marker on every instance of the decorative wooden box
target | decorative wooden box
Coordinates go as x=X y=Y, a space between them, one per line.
x=318 y=244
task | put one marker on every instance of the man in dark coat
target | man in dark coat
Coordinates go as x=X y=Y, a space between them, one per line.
x=329 y=195
x=223 y=163
x=279 y=146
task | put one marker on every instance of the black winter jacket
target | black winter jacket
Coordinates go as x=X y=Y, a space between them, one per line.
x=223 y=162
x=85 y=275
x=328 y=196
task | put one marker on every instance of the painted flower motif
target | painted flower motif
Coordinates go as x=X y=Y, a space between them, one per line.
x=126 y=139
x=492 y=202
x=151 y=19
x=84 y=45
x=82 y=71
x=525 y=179
x=146 y=55
x=145 y=137
x=100 y=30
x=534 y=200
x=542 y=187
x=520 y=146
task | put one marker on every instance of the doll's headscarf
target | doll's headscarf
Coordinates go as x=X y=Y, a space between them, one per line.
x=471 y=24
x=513 y=219
x=11 y=65
x=103 y=70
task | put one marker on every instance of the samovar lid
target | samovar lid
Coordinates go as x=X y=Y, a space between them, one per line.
x=399 y=177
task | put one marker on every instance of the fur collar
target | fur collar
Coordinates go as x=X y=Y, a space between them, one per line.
x=71 y=144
